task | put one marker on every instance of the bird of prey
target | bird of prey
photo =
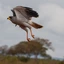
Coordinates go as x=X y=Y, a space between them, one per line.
x=22 y=17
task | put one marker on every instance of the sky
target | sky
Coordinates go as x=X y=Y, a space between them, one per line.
x=51 y=16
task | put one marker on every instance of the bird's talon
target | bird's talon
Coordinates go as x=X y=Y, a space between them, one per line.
x=33 y=36
x=28 y=39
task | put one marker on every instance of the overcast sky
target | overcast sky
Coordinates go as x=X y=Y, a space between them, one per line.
x=51 y=16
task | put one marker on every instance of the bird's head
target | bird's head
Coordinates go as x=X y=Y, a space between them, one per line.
x=9 y=18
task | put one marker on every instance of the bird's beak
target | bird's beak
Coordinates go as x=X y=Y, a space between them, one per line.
x=8 y=18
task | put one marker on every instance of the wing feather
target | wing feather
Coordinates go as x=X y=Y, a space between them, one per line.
x=21 y=11
x=27 y=12
x=31 y=12
x=19 y=16
x=14 y=14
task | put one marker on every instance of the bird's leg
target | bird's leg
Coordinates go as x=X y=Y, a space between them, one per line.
x=23 y=27
x=28 y=39
x=31 y=33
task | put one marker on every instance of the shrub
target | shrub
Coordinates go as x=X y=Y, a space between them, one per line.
x=24 y=59
x=62 y=62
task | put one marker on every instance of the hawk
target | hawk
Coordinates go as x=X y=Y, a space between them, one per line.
x=22 y=17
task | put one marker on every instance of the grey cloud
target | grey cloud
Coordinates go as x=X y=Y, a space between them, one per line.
x=54 y=15
x=51 y=16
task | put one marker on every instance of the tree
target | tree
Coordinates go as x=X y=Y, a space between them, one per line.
x=3 y=49
x=34 y=47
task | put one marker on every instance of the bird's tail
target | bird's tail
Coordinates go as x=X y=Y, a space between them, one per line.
x=35 y=25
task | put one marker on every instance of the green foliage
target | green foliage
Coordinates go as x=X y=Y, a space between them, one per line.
x=23 y=59
x=34 y=47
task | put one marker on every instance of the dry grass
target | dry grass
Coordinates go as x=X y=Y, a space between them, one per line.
x=15 y=60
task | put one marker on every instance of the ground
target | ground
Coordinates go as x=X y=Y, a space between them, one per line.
x=16 y=60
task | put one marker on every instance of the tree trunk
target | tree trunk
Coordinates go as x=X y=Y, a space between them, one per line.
x=36 y=59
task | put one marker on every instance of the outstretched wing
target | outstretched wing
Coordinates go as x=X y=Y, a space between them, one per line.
x=20 y=14
x=14 y=14
x=27 y=12
x=31 y=12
